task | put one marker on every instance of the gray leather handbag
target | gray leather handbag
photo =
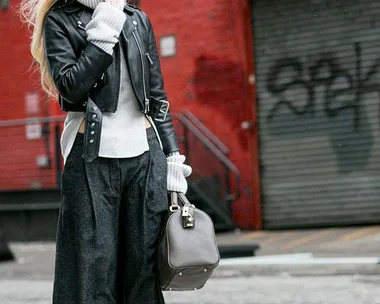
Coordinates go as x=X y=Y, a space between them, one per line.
x=188 y=252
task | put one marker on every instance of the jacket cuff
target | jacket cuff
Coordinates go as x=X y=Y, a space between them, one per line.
x=173 y=154
x=105 y=27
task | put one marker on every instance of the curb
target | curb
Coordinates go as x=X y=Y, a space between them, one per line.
x=306 y=259
x=301 y=264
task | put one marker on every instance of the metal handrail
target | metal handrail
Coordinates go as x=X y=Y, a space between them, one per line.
x=187 y=119
x=52 y=152
x=216 y=151
x=215 y=140
x=30 y=120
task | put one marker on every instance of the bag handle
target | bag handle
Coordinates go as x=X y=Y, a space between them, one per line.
x=178 y=199
x=184 y=199
x=174 y=206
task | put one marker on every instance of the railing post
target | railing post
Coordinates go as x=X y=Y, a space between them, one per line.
x=46 y=136
x=228 y=195
x=186 y=143
x=227 y=181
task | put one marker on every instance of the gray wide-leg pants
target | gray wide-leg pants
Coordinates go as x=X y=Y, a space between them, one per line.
x=112 y=215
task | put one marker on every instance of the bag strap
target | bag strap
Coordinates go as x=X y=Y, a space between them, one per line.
x=174 y=205
x=182 y=197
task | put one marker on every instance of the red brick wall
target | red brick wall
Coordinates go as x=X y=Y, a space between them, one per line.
x=15 y=60
x=18 y=155
x=208 y=77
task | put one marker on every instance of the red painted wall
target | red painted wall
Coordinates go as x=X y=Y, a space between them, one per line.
x=208 y=77
x=15 y=61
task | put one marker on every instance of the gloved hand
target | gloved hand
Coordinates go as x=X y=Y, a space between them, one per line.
x=177 y=173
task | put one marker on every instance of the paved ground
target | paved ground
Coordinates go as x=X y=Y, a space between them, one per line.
x=330 y=242
x=236 y=290
x=36 y=260
x=29 y=278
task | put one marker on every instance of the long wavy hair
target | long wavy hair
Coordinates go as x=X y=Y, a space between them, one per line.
x=34 y=12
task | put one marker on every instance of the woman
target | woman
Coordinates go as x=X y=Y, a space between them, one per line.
x=120 y=151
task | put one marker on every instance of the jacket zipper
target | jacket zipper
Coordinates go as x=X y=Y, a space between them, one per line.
x=80 y=25
x=146 y=109
x=118 y=54
x=150 y=59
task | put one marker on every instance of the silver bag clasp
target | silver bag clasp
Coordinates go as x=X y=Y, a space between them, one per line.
x=188 y=219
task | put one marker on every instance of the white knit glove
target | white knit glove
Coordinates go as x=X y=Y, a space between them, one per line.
x=177 y=173
x=105 y=27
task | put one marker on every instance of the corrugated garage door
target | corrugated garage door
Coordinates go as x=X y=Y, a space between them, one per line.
x=318 y=92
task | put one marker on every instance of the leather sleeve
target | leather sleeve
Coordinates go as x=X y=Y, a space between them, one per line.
x=73 y=77
x=165 y=128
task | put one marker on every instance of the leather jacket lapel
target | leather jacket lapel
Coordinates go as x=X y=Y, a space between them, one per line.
x=128 y=28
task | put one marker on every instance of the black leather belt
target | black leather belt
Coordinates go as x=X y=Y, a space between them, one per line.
x=92 y=131
x=158 y=111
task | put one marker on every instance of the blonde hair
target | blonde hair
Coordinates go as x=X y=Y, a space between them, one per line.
x=34 y=12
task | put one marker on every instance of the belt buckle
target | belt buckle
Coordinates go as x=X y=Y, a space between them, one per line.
x=164 y=109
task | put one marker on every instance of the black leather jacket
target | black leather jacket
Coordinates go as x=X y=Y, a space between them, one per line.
x=81 y=69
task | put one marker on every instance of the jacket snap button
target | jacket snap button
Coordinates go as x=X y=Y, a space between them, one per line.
x=95 y=108
x=93 y=124
x=91 y=141
x=134 y=22
x=92 y=132
x=94 y=116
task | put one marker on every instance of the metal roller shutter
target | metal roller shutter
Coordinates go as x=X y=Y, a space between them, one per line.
x=318 y=89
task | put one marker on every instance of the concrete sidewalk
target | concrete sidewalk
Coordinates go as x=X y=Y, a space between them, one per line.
x=29 y=279
x=36 y=260
x=327 y=242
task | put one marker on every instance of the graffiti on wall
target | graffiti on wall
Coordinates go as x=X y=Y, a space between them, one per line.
x=338 y=84
x=309 y=95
